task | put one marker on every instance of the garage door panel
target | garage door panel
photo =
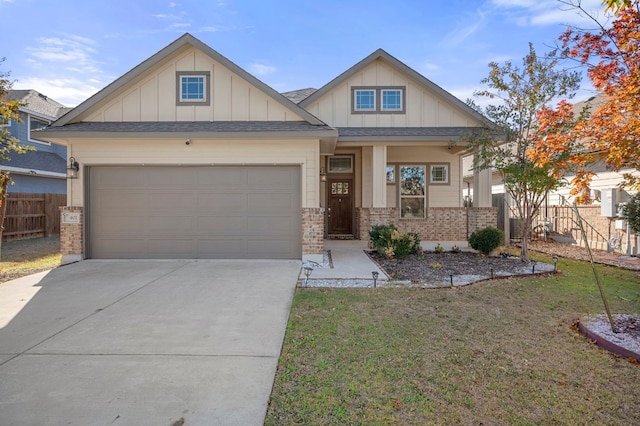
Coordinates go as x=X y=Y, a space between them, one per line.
x=171 y=225
x=221 y=225
x=195 y=212
x=223 y=202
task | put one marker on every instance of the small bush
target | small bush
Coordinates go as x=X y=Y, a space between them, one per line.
x=439 y=248
x=393 y=243
x=486 y=240
x=631 y=212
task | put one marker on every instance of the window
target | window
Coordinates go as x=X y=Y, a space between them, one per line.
x=391 y=100
x=391 y=174
x=412 y=191
x=365 y=100
x=192 y=88
x=340 y=164
x=388 y=100
x=439 y=173
x=34 y=124
x=4 y=122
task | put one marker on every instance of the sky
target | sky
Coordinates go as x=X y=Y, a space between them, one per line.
x=69 y=50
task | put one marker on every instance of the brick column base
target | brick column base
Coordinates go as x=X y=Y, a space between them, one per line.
x=71 y=234
x=313 y=234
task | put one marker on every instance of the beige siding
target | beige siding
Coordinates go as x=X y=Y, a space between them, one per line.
x=439 y=195
x=95 y=152
x=152 y=97
x=423 y=108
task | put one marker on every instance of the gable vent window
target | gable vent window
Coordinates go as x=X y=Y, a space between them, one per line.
x=378 y=100
x=192 y=88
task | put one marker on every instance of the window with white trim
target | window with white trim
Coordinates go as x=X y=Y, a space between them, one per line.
x=192 y=88
x=390 y=100
x=412 y=191
x=439 y=173
x=364 y=100
x=37 y=123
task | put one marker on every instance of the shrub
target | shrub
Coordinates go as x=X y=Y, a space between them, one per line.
x=486 y=240
x=439 y=248
x=393 y=243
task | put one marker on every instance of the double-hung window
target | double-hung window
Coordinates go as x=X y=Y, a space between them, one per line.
x=37 y=123
x=192 y=88
x=378 y=100
x=412 y=191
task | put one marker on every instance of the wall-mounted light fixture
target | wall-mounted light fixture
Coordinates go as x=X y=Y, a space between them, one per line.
x=323 y=174
x=73 y=169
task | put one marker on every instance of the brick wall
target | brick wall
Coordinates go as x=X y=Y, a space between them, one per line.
x=71 y=234
x=441 y=224
x=312 y=231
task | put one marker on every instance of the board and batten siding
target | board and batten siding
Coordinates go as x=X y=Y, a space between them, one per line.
x=423 y=108
x=140 y=152
x=152 y=96
x=439 y=195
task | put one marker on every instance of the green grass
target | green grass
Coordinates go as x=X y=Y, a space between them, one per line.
x=498 y=352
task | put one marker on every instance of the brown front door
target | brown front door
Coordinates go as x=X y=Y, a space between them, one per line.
x=340 y=211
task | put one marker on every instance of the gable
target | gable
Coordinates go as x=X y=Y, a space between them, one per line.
x=425 y=104
x=149 y=92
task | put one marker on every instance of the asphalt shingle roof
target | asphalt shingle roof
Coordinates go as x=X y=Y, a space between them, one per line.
x=297 y=96
x=38 y=103
x=190 y=126
x=405 y=131
x=37 y=160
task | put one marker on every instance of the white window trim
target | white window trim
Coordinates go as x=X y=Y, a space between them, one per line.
x=206 y=90
x=400 y=108
x=355 y=100
x=439 y=182
x=29 y=117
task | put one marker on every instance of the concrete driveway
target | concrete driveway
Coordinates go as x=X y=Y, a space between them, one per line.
x=143 y=342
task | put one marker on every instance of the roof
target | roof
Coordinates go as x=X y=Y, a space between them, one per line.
x=185 y=40
x=441 y=132
x=382 y=55
x=36 y=102
x=189 y=128
x=37 y=160
x=297 y=96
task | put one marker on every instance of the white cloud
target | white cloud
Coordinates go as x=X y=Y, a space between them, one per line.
x=68 y=91
x=550 y=12
x=77 y=51
x=261 y=69
x=465 y=28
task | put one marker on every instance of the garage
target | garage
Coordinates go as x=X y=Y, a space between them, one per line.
x=195 y=212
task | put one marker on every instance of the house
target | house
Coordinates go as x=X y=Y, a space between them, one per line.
x=44 y=169
x=189 y=156
x=556 y=214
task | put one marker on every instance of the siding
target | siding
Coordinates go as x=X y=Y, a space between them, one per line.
x=152 y=97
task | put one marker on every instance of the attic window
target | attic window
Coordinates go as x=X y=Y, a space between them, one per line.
x=192 y=88
x=378 y=100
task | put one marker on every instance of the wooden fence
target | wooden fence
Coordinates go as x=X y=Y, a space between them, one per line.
x=32 y=215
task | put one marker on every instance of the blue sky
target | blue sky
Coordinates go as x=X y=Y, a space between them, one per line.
x=68 y=50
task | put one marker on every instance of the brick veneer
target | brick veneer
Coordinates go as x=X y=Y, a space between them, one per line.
x=312 y=231
x=441 y=223
x=71 y=234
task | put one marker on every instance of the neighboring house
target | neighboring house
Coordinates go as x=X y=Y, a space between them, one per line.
x=42 y=170
x=189 y=156
x=607 y=196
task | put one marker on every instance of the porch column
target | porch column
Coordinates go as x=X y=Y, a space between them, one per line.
x=482 y=188
x=379 y=175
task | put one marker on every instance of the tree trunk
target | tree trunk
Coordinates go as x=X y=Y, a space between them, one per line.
x=526 y=232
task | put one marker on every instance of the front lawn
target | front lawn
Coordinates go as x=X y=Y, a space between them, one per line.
x=496 y=352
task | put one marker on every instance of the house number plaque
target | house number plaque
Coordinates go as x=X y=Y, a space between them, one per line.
x=70 y=217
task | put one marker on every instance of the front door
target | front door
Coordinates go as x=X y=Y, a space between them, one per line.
x=340 y=206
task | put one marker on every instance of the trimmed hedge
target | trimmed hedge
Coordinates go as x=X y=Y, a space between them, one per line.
x=393 y=243
x=486 y=240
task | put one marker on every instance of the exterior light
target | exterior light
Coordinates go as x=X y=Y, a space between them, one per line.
x=375 y=274
x=451 y=276
x=491 y=269
x=555 y=263
x=323 y=174
x=307 y=272
x=533 y=266
x=73 y=169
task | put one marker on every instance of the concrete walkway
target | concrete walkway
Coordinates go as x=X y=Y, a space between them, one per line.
x=143 y=342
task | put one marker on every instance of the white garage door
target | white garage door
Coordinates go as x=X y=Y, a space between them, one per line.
x=235 y=212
